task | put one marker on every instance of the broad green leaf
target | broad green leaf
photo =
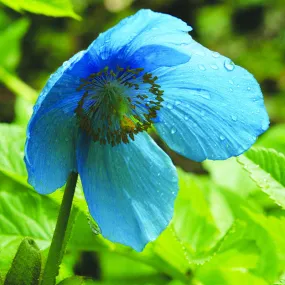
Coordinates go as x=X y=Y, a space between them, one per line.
x=266 y=167
x=242 y=257
x=55 y=8
x=12 y=142
x=202 y=216
x=231 y=176
x=274 y=138
x=26 y=266
x=23 y=213
x=10 y=40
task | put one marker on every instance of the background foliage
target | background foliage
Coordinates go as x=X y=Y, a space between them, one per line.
x=229 y=222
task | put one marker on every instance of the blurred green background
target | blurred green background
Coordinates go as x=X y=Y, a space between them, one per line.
x=250 y=32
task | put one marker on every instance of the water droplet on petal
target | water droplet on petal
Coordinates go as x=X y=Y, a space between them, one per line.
x=248 y=88
x=173 y=131
x=264 y=125
x=186 y=118
x=200 y=53
x=231 y=89
x=203 y=113
x=222 y=138
x=169 y=106
x=215 y=54
x=234 y=118
x=202 y=67
x=177 y=102
x=229 y=65
x=214 y=66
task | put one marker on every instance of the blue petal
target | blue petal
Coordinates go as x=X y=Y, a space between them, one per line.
x=51 y=134
x=130 y=188
x=142 y=35
x=212 y=109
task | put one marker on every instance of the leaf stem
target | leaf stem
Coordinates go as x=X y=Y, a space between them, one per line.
x=58 y=243
x=16 y=85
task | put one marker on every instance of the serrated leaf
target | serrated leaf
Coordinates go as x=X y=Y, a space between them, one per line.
x=267 y=168
x=53 y=8
x=229 y=174
x=26 y=266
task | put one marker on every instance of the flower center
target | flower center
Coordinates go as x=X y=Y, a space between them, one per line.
x=118 y=104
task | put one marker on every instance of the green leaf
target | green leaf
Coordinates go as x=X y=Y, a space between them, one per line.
x=55 y=8
x=12 y=153
x=23 y=213
x=266 y=167
x=242 y=258
x=26 y=266
x=202 y=216
x=274 y=138
x=10 y=38
x=229 y=175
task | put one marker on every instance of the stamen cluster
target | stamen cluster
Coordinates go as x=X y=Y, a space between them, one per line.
x=118 y=104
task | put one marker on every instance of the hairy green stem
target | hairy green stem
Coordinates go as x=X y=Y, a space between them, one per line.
x=58 y=243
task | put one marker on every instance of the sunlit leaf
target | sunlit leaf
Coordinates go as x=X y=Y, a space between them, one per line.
x=274 y=138
x=202 y=216
x=23 y=213
x=10 y=39
x=266 y=168
x=231 y=176
x=53 y=8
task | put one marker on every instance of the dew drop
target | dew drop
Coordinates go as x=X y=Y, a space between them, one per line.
x=248 y=88
x=214 y=66
x=264 y=125
x=234 y=118
x=186 y=118
x=173 y=131
x=231 y=89
x=200 y=53
x=202 y=67
x=169 y=106
x=215 y=54
x=229 y=65
x=177 y=102
x=202 y=113
x=205 y=94
x=222 y=138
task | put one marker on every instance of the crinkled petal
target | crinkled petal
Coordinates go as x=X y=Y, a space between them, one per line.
x=130 y=188
x=145 y=35
x=51 y=134
x=212 y=109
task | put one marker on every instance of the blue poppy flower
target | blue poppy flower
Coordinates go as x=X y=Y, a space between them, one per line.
x=94 y=112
